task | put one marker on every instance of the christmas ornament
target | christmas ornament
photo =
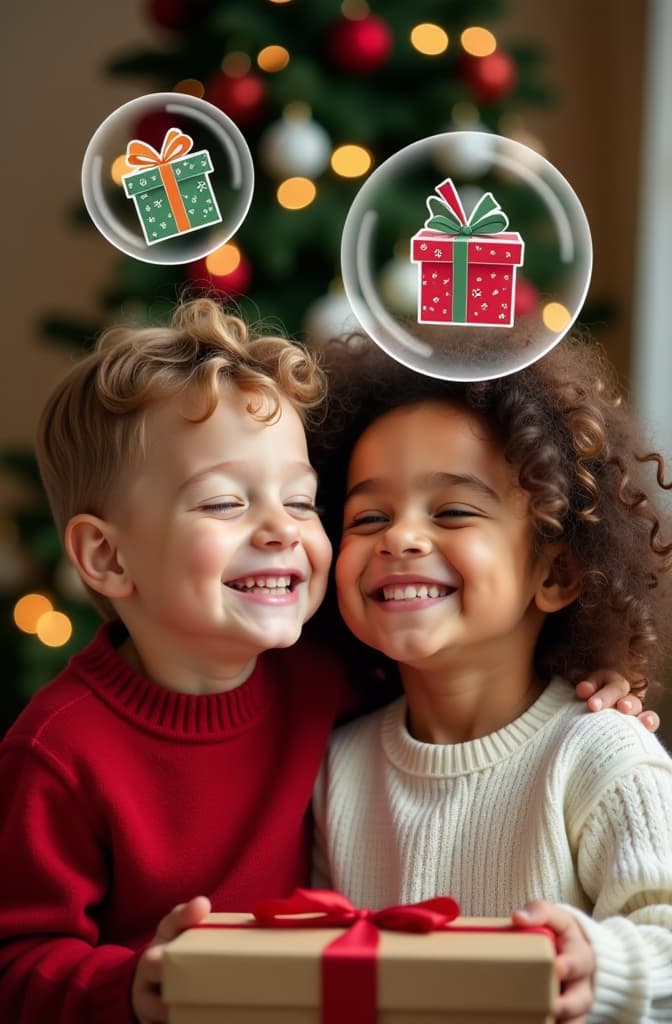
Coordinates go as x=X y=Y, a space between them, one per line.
x=242 y=98
x=176 y=15
x=360 y=46
x=491 y=78
x=295 y=148
x=235 y=282
x=398 y=283
x=527 y=298
x=328 y=317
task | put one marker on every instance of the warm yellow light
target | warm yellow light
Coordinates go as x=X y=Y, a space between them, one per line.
x=351 y=161
x=236 y=64
x=279 y=1
x=273 y=58
x=223 y=260
x=190 y=87
x=429 y=39
x=555 y=316
x=479 y=42
x=29 y=609
x=295 y=193
x=119 y=167
x=54 y=629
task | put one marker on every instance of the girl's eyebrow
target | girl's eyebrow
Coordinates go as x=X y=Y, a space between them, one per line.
x=429 y=481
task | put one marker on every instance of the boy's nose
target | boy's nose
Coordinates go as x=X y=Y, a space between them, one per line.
x=277 y=531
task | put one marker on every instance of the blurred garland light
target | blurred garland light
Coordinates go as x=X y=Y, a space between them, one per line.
x=224 y=260
x=555 y=316
x=236 y=64
x=429 y=39
x=54 y=629
x=29 y=609
x=190 y=87
x=355 y=10
x=118 y=168
x=273 y=58
x=351 y=161
x=295 y=193
x=479 y=42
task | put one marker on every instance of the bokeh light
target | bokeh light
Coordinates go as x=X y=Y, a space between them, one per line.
x=29 y=609
x=479 y=42
x=429 y=39
x=351 y=161
x=273 y=58
x=223 y=260
x=54 y=629
x=295 y=193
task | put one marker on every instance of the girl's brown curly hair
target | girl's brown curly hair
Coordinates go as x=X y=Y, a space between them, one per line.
x=575 y=445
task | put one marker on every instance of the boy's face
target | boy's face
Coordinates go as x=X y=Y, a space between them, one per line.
x=436 y=559
x=219 y=533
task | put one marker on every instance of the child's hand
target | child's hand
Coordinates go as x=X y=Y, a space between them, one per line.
x=146 y=1001
x=608 y=689
x=575 y=960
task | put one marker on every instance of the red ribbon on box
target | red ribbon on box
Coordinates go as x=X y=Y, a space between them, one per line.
x=349 y=977
x=175 y=144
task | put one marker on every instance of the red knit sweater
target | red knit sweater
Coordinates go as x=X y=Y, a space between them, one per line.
x=120 y=798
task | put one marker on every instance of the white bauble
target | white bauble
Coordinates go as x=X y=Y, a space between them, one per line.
x=465 y=155
x=295 y=148
x=398 y=283
x=329 y=317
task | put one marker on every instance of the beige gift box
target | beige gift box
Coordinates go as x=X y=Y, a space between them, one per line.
x=273 y=976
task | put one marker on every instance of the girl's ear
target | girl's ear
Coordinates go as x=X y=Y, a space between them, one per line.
x=561 y=580
x=91 y=545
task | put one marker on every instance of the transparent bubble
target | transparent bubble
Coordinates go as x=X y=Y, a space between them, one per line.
x=188 y=189
x=492 y=296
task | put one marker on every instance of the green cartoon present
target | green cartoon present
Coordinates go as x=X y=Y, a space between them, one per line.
x=171 y=191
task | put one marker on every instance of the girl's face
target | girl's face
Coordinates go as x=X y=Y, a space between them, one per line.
x=436 y=560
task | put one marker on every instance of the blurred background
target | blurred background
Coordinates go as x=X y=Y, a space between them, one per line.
x=323 y=92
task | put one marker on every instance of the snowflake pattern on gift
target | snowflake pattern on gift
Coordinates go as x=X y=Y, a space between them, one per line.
x=178 y=189
x=486 y=254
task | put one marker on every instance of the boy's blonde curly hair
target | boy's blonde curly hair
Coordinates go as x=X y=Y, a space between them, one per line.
x=93 y=425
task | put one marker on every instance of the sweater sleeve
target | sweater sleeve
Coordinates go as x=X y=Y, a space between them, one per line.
x=52 y=880
x=320 y=877
x=625 y=867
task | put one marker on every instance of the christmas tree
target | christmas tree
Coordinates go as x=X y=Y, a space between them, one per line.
x=323 y=93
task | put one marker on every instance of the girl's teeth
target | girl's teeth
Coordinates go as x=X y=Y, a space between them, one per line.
x=410 y=591
x=263 y=583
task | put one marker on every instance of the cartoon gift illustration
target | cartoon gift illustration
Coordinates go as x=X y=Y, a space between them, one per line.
x=466 y=265
x=171 y=191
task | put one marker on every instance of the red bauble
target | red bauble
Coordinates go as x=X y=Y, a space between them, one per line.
x=527 y=297
x=242 y=98
x=361 y=46
x=491 y=78
x=235 y=283
x=175 y=14
x=152 y=127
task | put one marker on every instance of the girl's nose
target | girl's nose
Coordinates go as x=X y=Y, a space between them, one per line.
x=403 y=539
x=277 y=531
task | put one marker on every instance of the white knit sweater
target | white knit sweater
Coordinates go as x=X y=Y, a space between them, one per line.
x=561 y=805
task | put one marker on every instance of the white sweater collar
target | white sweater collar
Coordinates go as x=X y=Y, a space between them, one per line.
x=442 y=760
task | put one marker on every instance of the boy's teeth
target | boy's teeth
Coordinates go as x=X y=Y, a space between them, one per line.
x=263 y=583
x=413 y=590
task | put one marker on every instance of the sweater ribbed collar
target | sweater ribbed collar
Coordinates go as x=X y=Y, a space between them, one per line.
x=195 y=717
x=443 y=760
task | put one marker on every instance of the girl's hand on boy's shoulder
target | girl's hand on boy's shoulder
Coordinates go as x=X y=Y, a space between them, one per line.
x=574 y=962
x=148 y=1006
x=606 y=688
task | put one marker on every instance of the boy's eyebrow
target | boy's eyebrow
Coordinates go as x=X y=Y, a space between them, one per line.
x=236 y=466
x=428 y=481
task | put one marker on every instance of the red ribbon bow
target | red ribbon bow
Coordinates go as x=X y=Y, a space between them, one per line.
x=349 y=980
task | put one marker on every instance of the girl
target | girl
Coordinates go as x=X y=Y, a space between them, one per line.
x=497 y=543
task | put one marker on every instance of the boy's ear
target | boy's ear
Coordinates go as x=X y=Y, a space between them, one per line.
x=561 y=580
x=91 y=545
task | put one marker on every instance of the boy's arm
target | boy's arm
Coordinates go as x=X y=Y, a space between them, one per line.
x=51 y=966
x=606 y=688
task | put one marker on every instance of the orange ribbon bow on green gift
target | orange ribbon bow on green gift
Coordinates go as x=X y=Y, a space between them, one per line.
x=175 y=144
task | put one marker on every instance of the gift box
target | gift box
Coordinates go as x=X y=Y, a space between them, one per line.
x=171 y=191
x=477 y=971
x=466 y=265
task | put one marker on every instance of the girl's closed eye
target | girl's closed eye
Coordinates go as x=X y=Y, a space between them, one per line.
x=302 y=506
x=456 y=512
x=370 y=519
x=221 y=506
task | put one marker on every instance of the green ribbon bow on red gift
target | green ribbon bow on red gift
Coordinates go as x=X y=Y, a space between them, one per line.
x=487 y=217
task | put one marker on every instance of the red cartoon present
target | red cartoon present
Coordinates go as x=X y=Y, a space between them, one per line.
x=466 y=265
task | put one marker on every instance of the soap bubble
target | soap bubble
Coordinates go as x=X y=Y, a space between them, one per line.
x=187 y=189
x=494 y=294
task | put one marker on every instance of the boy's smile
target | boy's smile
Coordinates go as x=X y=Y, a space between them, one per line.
x=219 y=535
x=436 y=560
